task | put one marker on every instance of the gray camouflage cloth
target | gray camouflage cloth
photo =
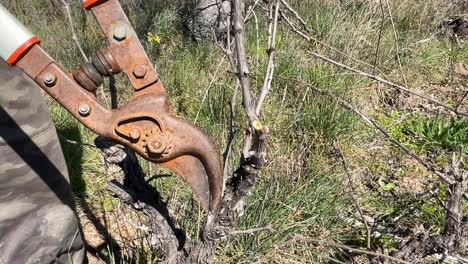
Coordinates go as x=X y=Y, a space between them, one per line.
x=38 y=223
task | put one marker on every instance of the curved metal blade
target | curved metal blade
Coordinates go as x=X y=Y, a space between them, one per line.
x=195 y=174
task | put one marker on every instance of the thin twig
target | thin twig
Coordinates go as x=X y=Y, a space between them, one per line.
x=251 y=11
x=396 y=42
x=268 y=228
x=72 y=142
x=462 y=100
x=299 y=238
x=232 y=130
x=297 y=16
x=207 y=90
x=353 y=191
x=310 y=38
x=273 y=29
x=373 y=123
x=384 y=81
x=257 y=48
x=379 y=39
x=66 y=6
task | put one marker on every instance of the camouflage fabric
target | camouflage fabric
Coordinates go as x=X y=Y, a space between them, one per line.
x=38 y=223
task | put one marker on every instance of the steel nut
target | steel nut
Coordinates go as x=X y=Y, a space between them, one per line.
x=156 y=146
x=139 y=71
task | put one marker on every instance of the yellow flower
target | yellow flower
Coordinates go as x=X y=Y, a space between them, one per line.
x=154 y=38
x=157 y=39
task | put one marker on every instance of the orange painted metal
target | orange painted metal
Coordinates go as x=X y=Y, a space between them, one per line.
x=90 y=3
x=145 y=123
x=21 y=50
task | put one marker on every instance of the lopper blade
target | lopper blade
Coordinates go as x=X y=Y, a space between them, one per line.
x=194 y=173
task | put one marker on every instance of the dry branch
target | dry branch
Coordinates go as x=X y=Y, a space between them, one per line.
x=272 y=30
x=392 y=84
x=297 y=16
x=347 y=248
x=237 y=187
x=243 y=72
x=251 y=231
x=430 y=167
x=353 y=192
x=455 y=225
x=456 y=233
x=310 y=38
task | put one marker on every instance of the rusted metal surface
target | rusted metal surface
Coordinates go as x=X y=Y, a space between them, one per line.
x=86 y=77
x=104 y=61
x=145 y=123
x=127 y=51
x=90 y=74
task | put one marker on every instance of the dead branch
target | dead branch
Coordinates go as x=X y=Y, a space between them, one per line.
x=379 y=39
x=460 y=103
x=297 y=16
x=392 y=84
x=237 y=187
x=243 y=72
x=430 y=167
x=310 y=38
x=353 y=192
x=454 y=238
x=272 y=30
x=299 y=238
x=454 y=230
x=251 y=231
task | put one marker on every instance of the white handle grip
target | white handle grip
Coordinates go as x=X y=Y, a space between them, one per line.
x=15 y=38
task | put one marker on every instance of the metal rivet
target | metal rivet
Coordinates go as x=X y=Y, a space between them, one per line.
x=120 y=33
x=135 y=134
x=84 y=109
x=139 y=71
x=50 y=79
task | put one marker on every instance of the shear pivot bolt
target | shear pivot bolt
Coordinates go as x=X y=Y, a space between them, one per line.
x=139 y=71
x=84 y=109
x=50 y=79
x=135 y=134
x=155 y=146
x=120 y=33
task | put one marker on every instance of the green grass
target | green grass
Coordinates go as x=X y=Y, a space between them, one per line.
x=301 y=190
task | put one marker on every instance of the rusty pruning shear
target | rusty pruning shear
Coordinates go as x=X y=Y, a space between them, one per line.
x=145 y=123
